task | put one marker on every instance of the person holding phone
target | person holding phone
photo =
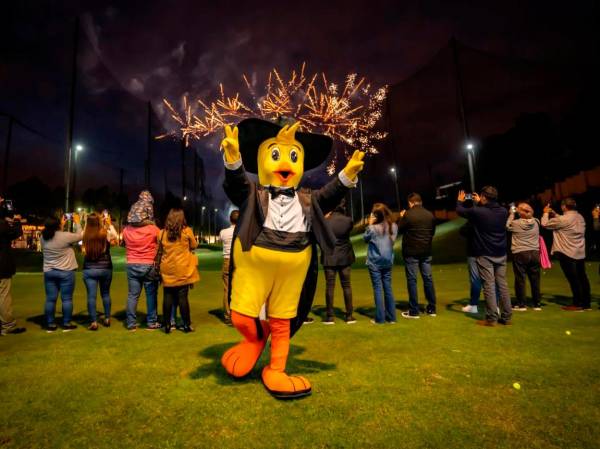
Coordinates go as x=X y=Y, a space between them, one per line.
x=488 y=221
x=568 y=245
x=59 y=269
x=380 y=236
x=98 y=236
x=10 y=229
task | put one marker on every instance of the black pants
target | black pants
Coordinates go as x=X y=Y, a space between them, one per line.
x=574 y=270
x=330 y=274
x=177 y=296
x=527 y=265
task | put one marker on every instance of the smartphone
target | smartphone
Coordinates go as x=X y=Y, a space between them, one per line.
x=8 y=204
x=468 y=196
x=513 y=208
x=69 y=216
x=105 y=214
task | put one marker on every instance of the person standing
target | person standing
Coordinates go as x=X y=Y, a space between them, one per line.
x=474 y=279
x=339 y=262
x=226 y=236
x=488 y=219
x=178 y=267
x=380 y=236
x=97 y=265
x=59 y=269
x=10 y=229
x=418 y=227
x=568 y=245
x=141 y=244
x=526 y=255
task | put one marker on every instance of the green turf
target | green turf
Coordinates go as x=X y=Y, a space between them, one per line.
x=436 y=382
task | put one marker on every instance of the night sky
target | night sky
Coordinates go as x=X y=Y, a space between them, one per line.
x=135 y=52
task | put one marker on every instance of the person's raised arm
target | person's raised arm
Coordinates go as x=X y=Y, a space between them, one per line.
x=461 y=210
x=236 y=184
x=553 y=223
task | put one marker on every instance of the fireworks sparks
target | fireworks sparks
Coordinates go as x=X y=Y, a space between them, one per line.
x=350 y=116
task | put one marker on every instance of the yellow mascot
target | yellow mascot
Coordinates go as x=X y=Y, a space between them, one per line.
x=274 y=257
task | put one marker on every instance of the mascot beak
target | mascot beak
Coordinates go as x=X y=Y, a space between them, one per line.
x=285 y=172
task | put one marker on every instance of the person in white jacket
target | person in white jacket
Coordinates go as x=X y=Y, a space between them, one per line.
x=568 y=246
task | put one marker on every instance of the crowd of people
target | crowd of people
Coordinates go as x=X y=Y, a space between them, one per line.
x=155 y=255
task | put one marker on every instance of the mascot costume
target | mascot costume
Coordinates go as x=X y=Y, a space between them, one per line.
x=274 y=257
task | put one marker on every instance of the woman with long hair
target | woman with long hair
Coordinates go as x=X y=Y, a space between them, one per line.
x=178 y=267
x=59 y=269
x=97 y=265
x=380 y=236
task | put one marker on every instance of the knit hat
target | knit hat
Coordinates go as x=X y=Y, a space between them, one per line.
x=142 y=209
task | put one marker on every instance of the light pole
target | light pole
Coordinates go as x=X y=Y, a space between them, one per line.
x=470 y=148
x=202 y=222
x=394 y=172
x=216 y=210
x=78 y=149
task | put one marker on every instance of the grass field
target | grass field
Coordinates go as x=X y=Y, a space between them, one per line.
x=435 y=382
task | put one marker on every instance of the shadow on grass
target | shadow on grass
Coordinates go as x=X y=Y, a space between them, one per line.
x=214 y=367
x=321 y=312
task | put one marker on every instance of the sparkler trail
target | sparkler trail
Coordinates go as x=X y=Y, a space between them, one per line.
x=350 y=116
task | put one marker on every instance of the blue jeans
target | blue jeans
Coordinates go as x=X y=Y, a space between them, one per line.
x=56 y=281
x=385 y=305
x=92 y=277
x=137 y=277
x=475 y=281
x=422 y=264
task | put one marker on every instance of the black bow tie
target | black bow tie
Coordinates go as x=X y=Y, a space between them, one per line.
x=276 y=191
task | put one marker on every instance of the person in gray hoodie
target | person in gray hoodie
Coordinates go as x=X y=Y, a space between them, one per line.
x=526 y=254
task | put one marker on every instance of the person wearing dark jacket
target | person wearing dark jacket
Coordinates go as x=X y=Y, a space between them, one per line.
x=339 y=262
x=10 y=229
x=488 y=219
x=417 y=226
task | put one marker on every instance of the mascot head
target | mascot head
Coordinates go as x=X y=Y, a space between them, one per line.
x=280 y=153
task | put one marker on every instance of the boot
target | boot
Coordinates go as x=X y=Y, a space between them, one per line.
x=239 y=360
x=276 y=381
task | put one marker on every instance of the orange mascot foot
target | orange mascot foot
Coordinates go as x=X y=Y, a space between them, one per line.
x=239 y=360
x=276 y=381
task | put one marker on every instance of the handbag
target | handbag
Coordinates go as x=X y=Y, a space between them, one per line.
x=154 y=273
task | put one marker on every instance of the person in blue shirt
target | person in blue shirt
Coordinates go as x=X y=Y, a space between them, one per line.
x=380 y=236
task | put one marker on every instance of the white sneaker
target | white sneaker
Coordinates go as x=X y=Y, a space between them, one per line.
x=519 y=309
x=407 y=315
x=470 y=309
x=537 y=309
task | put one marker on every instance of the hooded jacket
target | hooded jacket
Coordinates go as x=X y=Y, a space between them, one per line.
x=525 y=234
x=142 y=210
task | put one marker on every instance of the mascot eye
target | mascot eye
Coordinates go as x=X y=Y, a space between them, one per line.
x=294 y=155
x=275 y=154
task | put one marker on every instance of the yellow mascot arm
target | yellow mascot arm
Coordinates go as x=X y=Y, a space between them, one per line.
x=354 y=165
x=231 y=145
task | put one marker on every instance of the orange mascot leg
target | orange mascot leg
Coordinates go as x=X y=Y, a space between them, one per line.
x=274 y=377
x=239 y=360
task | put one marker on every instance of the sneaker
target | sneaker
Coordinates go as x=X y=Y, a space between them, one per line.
x=587 y=309
x=93 y=326
x=430 y=312
x=520 y=309
x=392 y=322
x=470 y=309
x=188 y=329
x=572 y=309
x=505 y=322
x=375 y=322
x=69 y=327
x=51 y=328
x=309 y=320
x=350 y=320
x=537 y=309
x=153 y=326
x=486 y=323
x=132 y=328
x=106 y=322
x=329 y=320
x=409 y=316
